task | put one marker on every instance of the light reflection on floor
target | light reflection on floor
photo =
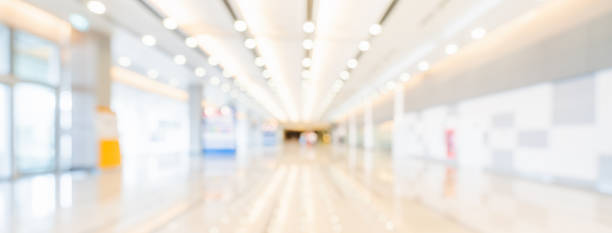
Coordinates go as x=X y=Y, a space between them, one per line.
x=295 y=189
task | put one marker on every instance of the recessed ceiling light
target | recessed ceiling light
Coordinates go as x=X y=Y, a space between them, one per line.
x=423 y=66
x=308 y=44
x=240 y=26
x=213 y=61
x=345 y=75
x=451 y=49
x=180 y=59
x=390 y=85
x=125 y=61
x=266 y=74
x=259 y=61
x=191 y=42
x=364 y=45
x=96 y=7
x=478 y=33
x=338 y=83
x=170 y=23
x=308 y=27
x=405 y=77
x=250 y=43
x=305 y=74
x=200 y=72
x=215 y=80
x=375 y=29
x=228 y=73
x=79 y=22
x=306 y=62
x=153 y=74
x=352 y=63
x=149 y=40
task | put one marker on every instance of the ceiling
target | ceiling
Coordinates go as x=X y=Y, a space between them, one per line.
x=414 y=31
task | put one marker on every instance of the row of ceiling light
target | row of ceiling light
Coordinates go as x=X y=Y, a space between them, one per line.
x=99 y=8
x=422 y=66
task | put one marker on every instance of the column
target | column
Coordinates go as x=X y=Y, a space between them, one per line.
x=195 y=91
x=89 y=64
x=398 y=113
x=368 y=127
x=352 y=134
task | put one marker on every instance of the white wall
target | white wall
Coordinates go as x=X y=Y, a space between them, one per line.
x=558 y=130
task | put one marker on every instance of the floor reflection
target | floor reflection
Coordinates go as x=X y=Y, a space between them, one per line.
x=311 y=189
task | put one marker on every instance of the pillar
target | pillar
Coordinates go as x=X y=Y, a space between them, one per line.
x=89 y=64
x=195 y=92
x=398 y=113
x=352 y=134
x=368 y=127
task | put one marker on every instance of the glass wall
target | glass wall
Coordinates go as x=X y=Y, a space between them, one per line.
x=34 y=127
x=28 y=83
x=5 y=161
x=4 y=50
x=36 y=59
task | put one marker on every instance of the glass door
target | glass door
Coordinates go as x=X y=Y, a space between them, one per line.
x=36 y=68
x=5 y=155
x=34 y=117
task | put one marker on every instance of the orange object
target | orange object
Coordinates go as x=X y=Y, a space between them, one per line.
x=110 y=155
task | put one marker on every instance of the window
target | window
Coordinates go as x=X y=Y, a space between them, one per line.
x=34 y=119
x=5 y=158
x=36 y=59
x=4 y=50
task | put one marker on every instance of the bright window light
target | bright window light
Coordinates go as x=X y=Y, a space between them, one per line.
x=375 y=29
x=170 y=24
x=308 y=44
x=180 y=59
x=451 y=49
x=352 y=63
x=364 y=45
x=240 y=26
x=478 y=33
x=191 y=42
x=200 y=72
x=307 y=62
x=125 y=61
x=308 y=27
x=96 y=7
x=423 y=66
x=149 y=40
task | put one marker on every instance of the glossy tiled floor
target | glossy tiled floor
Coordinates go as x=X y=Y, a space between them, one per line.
x=295 y=189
